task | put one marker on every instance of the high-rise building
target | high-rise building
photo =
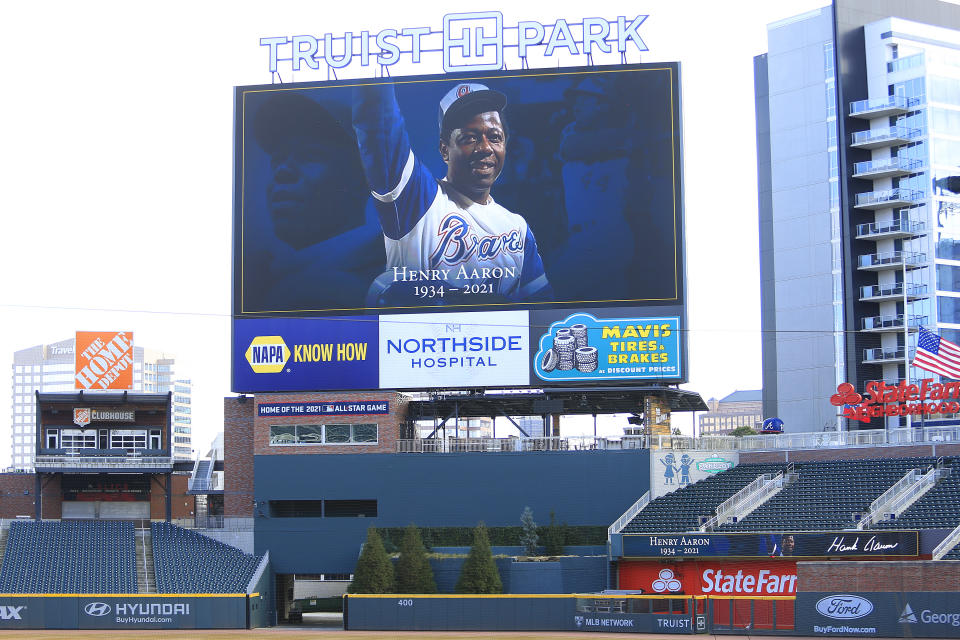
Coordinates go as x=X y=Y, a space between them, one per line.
x=858 y=116
x=50 y=367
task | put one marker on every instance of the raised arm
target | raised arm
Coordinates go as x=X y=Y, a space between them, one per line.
x=402 y=186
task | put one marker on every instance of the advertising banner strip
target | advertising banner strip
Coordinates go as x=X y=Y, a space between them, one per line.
x=323 y=408
x=789 y=544
x=924 y=614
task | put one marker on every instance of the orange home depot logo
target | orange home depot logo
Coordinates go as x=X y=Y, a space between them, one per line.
x=104 y=360
x=81 y=417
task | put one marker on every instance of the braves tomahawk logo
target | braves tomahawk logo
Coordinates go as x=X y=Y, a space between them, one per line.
x=457 y=243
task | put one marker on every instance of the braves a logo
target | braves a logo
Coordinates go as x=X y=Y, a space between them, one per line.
x=458 y=244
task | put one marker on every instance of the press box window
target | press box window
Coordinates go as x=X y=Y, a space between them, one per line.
x=307 y=434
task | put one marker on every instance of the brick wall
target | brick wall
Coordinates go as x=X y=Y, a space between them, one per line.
x=388 y=425
x=238 y=415
x=182 y=505
x=893 y=576
x=17 y=494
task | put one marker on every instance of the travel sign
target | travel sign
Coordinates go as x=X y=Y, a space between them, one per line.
x=881 y=399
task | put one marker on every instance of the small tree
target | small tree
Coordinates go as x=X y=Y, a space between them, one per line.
x=374 y=572
x=528 y=532
x=413 y=570
x=743 y=431
x=553 y=537
x=479 y=573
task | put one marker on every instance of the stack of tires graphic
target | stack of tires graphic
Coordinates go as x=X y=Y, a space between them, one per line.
x=570 y=350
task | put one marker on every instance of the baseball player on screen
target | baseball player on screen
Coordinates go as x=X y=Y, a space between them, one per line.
x=447 y=232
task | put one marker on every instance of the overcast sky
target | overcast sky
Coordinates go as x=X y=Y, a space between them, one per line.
x=116 y=167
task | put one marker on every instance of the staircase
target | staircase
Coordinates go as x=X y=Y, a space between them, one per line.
x=4 y=532
x=202 y=477
x=146 y=575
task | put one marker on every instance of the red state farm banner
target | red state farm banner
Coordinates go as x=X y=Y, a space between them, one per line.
x=697 y=577
x=104 y=360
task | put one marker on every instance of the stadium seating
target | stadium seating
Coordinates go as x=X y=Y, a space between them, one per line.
x=187 y=562
x=69 y=556
x=938 y=508
x=827 y=494
x=680 y=510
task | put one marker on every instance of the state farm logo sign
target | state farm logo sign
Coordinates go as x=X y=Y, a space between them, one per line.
x=844 y=607
x=97 y=609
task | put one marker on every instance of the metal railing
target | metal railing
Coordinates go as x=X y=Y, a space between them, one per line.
x=629 y=514
x=886 y=196
x=896 y=502
x=880 y=354
x=948 y=543
x=892 y=258
x=812 y=440
x=884 y=290
x=514 y=444
x=903 y=225
x=890 y=322
x=879 y=104
x=882 y=135
x=895 y=163
x=103 y=462
x=743 y=502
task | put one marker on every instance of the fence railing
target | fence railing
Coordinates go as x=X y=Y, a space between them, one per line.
x=746 y=500
x=946 y=544
x=103 y=462
x=629 y=514
x=514 y=444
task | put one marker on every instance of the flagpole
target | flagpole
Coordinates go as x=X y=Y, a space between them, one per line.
x=906 y=335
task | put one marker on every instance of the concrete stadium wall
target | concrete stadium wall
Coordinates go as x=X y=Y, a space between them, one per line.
x=435 y=490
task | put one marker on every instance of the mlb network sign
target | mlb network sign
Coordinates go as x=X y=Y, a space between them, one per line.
x=473 y=41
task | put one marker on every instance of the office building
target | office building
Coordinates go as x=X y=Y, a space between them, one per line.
x=50 y=368
x=739 y=409
x=858 y=107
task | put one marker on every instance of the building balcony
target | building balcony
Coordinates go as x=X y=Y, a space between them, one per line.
x=886 y=137
x=888 y=198
x=886 y=168
x=902 y=228
x=894 y=291
x=881 y=355
x=891 y=260
x=84 y=461
x=884 y=324
x=880 y=107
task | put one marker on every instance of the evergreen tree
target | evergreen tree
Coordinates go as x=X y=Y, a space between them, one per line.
x=528 y=532
x=413 y=570
x=479 y=573
x=553 y=537
x=374 y=572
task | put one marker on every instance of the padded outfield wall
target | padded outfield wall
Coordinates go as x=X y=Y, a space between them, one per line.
x=125 y=611
x=434 y=490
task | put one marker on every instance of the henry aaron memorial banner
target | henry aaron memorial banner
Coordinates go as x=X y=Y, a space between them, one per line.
x=554 y=194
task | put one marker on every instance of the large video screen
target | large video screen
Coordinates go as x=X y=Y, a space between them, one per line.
x=551 y=195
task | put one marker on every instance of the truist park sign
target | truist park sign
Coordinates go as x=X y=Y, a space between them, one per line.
x=926 y=397
x=474 y=41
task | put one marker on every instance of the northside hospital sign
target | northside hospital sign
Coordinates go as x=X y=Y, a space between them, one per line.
x=473 y=41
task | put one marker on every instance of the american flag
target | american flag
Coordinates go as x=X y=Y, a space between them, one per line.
x=937 y=355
